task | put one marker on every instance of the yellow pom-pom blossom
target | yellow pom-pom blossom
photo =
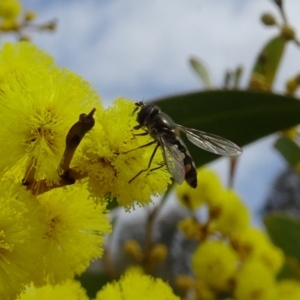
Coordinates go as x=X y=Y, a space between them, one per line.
x=204 y=292
x=37 y=108
x=21 y=57
x=133 y=249
x=134 y=285
x=288 y=289
x=68 y=290
x=10 y=9
x=110 y=168
x=184 y=283
x=233 y=215
x=157 y=255
x=253 y=243
x=255 y=282
x=21 y=242
x=247 y=242
x=191 y=228
x=271 y=256
x=215 y=263
x=30 y=15
x=74 y=233
x=209 y=186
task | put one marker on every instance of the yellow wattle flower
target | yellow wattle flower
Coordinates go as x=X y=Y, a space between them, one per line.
x=10 y=9
x=74 y=234
x=21 y=57
x=209 y=187
x=191 y=228
x=38 y=108
x=69 y=290
x=255 y=281
x=233 y=215
x=215 y=263
x=21 y=243
x=253 y=243
x=288 y=289
x=134 y=285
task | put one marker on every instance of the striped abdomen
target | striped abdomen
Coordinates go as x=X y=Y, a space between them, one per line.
x=189 y=166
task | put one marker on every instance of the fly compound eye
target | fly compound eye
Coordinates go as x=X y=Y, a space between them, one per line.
x=145 y=113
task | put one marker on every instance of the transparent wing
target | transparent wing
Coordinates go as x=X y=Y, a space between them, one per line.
x=211 y=142
x=173 y=159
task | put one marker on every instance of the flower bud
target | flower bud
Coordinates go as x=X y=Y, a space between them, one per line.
x=158 y=253
x=288 y=33
x=258 y=83
x=133 y=249
x=184 y=283
x=51 y=26
x=268 y=19
x=291 y=86
x=30 y=15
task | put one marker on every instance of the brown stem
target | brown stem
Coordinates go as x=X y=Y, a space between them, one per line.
x=41 y=186
x=30 y=172
x=232 y=170
x=69 y=176
x=149 y=241
x=108 y=265
x=74 y=137
x=279 y=3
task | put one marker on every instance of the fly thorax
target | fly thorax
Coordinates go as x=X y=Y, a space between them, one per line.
x=164 y=124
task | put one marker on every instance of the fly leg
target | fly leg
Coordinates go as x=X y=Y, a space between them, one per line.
x=146 y=145
x=137 y=127
x=150 y=161
x=159 y=167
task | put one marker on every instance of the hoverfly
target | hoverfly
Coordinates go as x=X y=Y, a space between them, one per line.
x=165 y=134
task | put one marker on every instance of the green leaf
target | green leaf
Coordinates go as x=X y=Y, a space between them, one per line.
x=112 y=203
x=92 y=282
x=288 y=149
x=201 y=71
x=240 y=116
x=269 y=58
x=284 y=231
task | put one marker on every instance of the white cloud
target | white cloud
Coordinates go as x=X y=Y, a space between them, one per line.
x=140 y=48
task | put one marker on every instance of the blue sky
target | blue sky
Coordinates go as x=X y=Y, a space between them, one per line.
x=140 y=49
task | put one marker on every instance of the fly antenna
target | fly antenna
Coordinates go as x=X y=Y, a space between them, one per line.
x=138 y=105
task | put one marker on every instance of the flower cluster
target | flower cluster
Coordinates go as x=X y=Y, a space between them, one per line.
x=9 y=10
x=232 y=258
x=39 y=103
x=52 y=226
x=132 y=285
x=38 y=107
x=12 y=20
x=48 y=238
x=21 y=241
